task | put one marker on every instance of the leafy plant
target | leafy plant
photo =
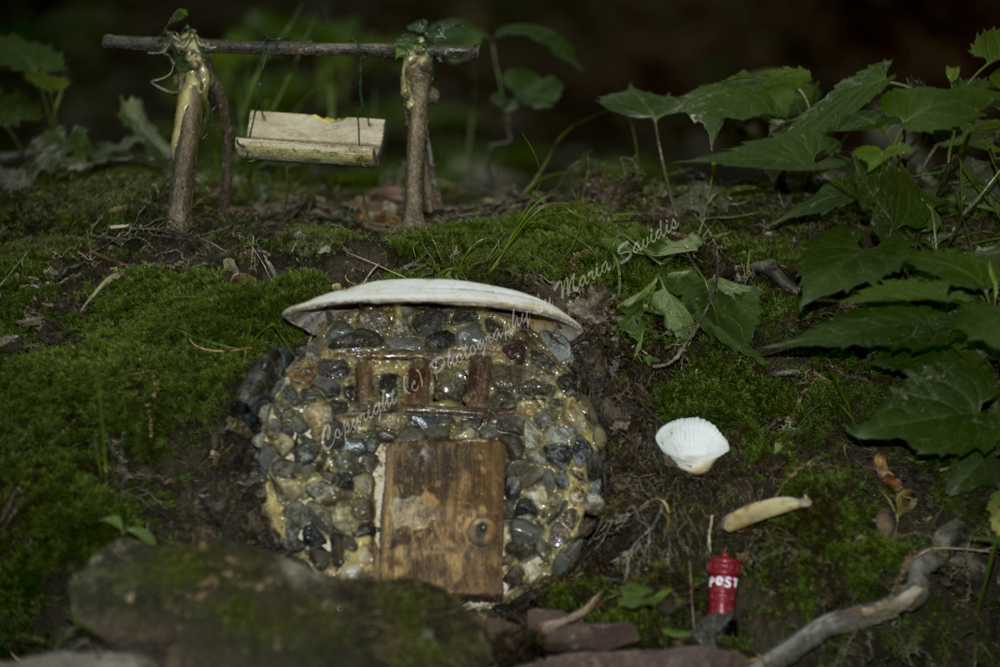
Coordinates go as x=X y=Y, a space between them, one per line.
x=38 y=65
x=635 y=595
x=921 y=309
x=516 y=86
x=138 y=532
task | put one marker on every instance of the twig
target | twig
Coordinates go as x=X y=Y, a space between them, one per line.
x=556 y=623
x=376 y=264
x=104 y=282
x=205 y=349
x=771 y=269
x=416 y=84
x=697 y=325
x=691 y=592
x=9 y=511
x=861 y=616
x=13 y=267
x=106 y=258
x=711 y=520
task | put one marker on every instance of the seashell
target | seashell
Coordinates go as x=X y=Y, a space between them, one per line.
x=692 y=443
x=311 y=316
x=762 y=510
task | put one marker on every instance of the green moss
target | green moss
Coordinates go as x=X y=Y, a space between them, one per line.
x=134 y=337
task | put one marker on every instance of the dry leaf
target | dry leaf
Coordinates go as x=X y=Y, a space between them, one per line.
x=905 y=501
x=882 y=469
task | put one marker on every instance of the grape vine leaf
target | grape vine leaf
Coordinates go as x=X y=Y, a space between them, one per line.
x=21 y=55
x=980 y=322
x=544 y=35
x=744 y=96
x=928 y=109
x=910 y=289
x=847 y=97
x=835 y=263
x=937 y=410
x=16 y=107
x=961 y=269
x=873 y=156
x=987 y=46
x=893 y=199
x=972 y=472
x=914 y=328
x=635 y=103
x=733 y=315
x=532 y=89
x=827 y=198
x=788 y=151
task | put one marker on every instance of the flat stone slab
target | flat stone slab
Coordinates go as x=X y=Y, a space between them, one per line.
x=222 y=604
x=685 y=656
x=80 y=659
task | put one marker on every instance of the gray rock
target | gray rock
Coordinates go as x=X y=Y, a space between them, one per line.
x=430 y=321
x=397 y=343
x=221 y=604
x=558 y=346
x=357 y=338
x=558 y=455
x=440 y=340
x=559 y=435
x=524 y=531
x=511 y=424
x=471 y=336
x=590 y=637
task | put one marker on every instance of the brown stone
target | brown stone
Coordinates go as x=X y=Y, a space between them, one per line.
x=590 y=637
x=685 y=656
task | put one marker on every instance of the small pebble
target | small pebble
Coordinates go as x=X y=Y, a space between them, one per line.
x=524 y=531
x=440 y=340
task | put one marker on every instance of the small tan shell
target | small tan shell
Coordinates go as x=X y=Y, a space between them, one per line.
x=692 y=443
x=310 y=315
x=763 y=510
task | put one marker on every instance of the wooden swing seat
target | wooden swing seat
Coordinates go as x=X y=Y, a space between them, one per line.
x=297 y=137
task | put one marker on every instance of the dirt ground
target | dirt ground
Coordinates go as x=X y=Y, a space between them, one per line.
x=218 y=488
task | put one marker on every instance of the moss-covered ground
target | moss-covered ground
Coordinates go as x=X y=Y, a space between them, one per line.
x=118 y=408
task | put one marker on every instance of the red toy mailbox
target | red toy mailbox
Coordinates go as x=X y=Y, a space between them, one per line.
x=723 y=577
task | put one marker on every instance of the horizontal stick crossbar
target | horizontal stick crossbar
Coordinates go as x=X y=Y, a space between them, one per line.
x=275 y=48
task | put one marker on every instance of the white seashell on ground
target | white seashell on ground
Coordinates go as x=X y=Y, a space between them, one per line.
x=310 y=314
x=692 y=443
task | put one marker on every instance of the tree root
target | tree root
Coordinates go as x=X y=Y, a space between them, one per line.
x=912 y=596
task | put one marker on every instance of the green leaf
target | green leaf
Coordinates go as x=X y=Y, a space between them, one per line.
x=952 y=73
x=142 y=535
x=633 y=307
x=132 y=115
x=902 y=361
x=929 y=109
x=788 y=151
x=733 y=315
x=937 y=410
x=913 y=328
x=987 y=46
x=635 y=103
x=835 y=263
x=980 y=322
x=827 y=198
x=179 y=15
x=46 y=82
x=893 y=199
x=873 y=156
x=972 y=472
x=557 y=44
x=961 y=269
x=665 y=247
x=993 y=509
x=744 y=96
x=866 y=119
x=20 y=55
x=506 y=104
x=463 y=32
x=674 y=633
x=995 y=79
x=910 y=289
x=635 y=596
x=533 y=90
x=16 y=107
x=113 y=520
x=676 y=318
x=418 y=27
x=408 y=43
x=847 y=97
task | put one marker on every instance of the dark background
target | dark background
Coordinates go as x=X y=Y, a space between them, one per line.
x=664 y=47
